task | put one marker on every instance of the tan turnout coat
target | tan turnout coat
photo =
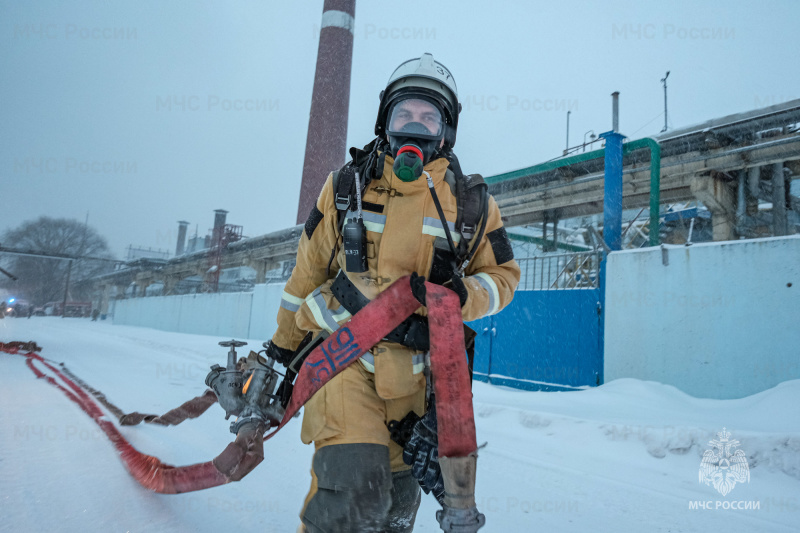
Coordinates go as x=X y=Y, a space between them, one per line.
x=402 y=223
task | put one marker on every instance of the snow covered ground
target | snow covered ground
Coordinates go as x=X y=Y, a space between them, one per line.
x=622 y=457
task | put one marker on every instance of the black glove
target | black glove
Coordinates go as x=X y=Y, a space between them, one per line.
x=418 y=287
x=422 y=453
x=284 y=392
x=281 y=355
x=457 y=286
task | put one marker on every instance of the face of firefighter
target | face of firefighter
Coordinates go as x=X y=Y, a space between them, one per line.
x=415 y=129
x=416 y=111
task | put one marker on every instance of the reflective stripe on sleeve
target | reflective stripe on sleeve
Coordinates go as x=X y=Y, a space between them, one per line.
x=341 y=314
x=290 y=303
x=326 y=318
x=488 y=283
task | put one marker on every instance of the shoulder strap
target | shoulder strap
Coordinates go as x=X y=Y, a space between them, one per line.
x=472 y=204
x=475 y=217
x=343 y=182
x=369 y=165
x=473 y=208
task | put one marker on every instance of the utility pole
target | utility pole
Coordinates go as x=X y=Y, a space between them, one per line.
x=566 y=149
x=664 y=81
x=66 y=290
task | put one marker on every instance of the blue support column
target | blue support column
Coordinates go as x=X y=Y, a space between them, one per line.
x=612 y=198
x=601 y=323
x=612 y=223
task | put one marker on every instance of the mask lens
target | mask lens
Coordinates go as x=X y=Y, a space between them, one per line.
x=415 y=117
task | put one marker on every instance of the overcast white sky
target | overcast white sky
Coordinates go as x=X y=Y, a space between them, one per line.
x=86 y=126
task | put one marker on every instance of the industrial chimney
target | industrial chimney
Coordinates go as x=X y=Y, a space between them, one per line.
x=182 y=225
x=219 y=218
x=326 y=143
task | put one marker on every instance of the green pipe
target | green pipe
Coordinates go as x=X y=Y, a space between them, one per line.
x=544 y=167
x=655 y=182
x=655 y=174
x=541 y=242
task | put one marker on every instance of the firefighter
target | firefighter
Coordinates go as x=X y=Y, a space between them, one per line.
x=389 y=213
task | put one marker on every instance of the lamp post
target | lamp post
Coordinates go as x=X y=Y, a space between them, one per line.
x=592 y=137
x=664 y=81
x=566 y=149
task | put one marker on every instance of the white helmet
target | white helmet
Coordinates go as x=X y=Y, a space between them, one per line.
x=425 y=77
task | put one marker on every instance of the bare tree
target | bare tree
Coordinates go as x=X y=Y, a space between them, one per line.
x=42 y=280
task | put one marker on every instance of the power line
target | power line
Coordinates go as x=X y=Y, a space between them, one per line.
x=647 y=124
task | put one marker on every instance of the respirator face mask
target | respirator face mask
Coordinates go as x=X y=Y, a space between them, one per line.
x=415 y=130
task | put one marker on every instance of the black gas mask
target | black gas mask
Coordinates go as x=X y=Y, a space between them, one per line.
x=415 y=130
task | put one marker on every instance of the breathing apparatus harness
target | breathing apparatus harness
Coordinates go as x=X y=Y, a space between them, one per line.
x=472 y=204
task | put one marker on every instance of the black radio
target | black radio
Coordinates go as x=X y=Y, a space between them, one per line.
x=354 y=234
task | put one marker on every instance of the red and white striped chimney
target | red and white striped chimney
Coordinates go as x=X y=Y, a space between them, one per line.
x=326 y=143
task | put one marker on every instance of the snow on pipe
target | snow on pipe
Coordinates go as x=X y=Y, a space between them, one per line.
x=454 y=397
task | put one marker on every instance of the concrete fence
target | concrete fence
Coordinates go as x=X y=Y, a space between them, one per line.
x=717 y=320
x=244 y=315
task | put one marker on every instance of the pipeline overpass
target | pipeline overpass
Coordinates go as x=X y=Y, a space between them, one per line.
x=262 y=253
x=754 y=151
x=730 y=164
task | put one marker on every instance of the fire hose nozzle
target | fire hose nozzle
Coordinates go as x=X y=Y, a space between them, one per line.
x=460 y=513
x=460 y=520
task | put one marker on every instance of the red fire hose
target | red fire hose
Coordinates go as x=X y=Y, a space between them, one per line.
x=342 y=348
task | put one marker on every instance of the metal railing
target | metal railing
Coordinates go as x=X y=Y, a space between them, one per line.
x=563 y=271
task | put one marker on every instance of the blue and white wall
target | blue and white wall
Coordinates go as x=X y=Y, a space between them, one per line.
x=716 y=320
x=243 y=315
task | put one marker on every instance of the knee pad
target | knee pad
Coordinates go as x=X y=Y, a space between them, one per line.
x=354 y=489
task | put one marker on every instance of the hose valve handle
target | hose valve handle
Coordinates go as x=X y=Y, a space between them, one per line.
x=233 y=344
